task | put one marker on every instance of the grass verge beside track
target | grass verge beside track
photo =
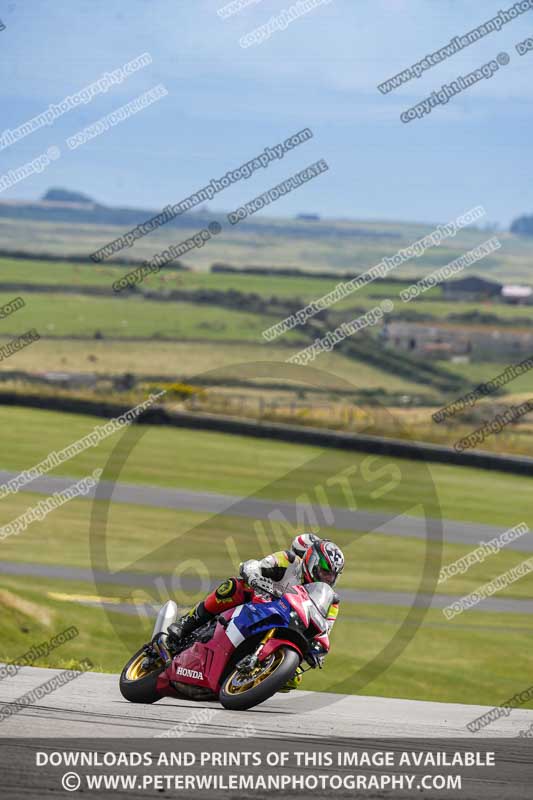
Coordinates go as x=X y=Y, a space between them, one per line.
x=241 y=466
x=164 y=542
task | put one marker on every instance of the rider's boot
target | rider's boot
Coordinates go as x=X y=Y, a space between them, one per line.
x=187 y=624
x=150 y=659
x=294 y=682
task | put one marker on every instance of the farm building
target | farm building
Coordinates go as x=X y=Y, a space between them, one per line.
x=446 y=340
x=471 y=288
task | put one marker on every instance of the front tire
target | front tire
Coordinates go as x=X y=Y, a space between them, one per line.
x=239 y=693
x=138 y=685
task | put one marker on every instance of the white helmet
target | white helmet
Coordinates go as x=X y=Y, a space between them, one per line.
x=323 y=561
x=302 y=543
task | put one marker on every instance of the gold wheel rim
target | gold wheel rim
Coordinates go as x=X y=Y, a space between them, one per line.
x=135 y=670
x=256 y=676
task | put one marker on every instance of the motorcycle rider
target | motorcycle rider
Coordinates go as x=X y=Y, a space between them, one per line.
x=309 y=560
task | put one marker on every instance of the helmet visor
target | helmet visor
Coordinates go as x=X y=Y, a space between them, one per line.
x=325 y=573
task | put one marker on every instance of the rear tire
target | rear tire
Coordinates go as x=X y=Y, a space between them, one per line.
x=236 y=699
x=138 y=686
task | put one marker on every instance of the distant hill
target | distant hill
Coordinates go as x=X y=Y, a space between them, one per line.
x=66 y=196
x=71 y=224
x=63 y=205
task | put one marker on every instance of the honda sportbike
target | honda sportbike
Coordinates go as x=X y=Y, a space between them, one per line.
x=241 y=657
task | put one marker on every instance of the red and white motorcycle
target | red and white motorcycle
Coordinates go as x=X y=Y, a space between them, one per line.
x=241 y=657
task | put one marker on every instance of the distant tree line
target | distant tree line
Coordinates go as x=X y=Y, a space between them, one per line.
x=77 y=259
x=291 y=272
x=523 y=226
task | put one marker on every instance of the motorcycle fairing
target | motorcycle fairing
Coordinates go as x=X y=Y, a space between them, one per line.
x=254 y=618
x=309 y=612
x=203 y=664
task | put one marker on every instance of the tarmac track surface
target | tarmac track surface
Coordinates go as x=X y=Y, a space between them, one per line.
x=137 y=579
x=92 y=706
x=341 y=518
x=89 y=714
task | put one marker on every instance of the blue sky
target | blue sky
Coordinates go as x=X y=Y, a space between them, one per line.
x=226 y=104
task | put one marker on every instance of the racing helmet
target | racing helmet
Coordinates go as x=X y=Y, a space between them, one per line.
x=323 y=561
x=302 y=543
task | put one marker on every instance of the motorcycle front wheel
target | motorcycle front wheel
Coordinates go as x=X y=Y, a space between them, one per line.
x=241 y=691
x=138 y=684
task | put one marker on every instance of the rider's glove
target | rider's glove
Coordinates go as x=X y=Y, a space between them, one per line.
x=315 y=657
x=262 y=584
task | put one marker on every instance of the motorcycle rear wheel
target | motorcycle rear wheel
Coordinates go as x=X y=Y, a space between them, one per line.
x=137 y=684
x=239 y=692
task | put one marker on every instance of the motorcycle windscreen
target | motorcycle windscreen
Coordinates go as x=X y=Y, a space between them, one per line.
x=321 y=596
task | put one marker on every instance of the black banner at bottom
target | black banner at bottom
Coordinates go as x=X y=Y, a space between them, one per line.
x=250 y=767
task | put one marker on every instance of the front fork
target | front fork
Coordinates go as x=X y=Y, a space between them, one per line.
x=249 y=662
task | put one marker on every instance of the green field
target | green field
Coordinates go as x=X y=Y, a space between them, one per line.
x=218 y=462
x=336 y=245
x=484 y=371
x=58 y=273
x=460 y=662
x=81 y=315
x=146 y=539
x=118 y=334
x=190 y=360
x=177 y=339
x=305 y=288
